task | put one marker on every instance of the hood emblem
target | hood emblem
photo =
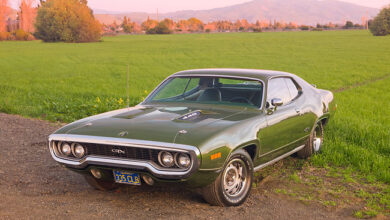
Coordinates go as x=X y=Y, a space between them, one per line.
x=190 y=116
x=123 y=133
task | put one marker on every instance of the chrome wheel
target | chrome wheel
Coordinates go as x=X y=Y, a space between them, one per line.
x=233 y=184
x=317 y=139
x=235 y=178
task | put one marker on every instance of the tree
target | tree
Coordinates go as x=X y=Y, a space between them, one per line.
x=195 y=24
x=169 y=23
x=183 y=25
x=380 y=26
x=4 y=10
x=66 y=20
x=161 y=28
x=127 y=25
x=149 y=24
x=26 y=15
x=348 y=25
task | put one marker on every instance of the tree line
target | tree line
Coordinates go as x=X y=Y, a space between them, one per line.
x=194 y=25
x=73 y=21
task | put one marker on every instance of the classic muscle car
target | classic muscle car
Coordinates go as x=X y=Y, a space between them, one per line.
x=210 y=129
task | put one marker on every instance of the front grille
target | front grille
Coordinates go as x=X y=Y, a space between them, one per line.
x=122 y=152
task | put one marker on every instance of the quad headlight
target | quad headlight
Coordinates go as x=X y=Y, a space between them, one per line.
x=183 y=160
x=174 y=160
x=65 y=149
x=78 y=150
x=69 y=149
x=166 y=159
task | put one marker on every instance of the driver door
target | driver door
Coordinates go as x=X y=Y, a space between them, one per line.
x=281 y=133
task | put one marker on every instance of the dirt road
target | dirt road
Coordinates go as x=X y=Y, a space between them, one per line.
x=33 y=186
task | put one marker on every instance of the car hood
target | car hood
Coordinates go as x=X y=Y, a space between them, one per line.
x=159 y=123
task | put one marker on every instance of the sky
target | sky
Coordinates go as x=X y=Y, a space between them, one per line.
x=177 y=5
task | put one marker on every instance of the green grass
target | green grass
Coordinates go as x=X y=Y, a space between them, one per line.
x=359 y=134
x=64 y=82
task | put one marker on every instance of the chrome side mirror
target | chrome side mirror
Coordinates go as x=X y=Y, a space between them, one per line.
x=277 y=102
x=271 y=108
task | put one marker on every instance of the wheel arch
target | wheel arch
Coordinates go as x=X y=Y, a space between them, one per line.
x=252 y=148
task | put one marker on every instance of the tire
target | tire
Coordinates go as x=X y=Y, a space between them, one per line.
x=102 y=185
x=314 y=143
x=223 y=192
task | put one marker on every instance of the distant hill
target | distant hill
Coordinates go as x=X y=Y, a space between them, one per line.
x=299 y=11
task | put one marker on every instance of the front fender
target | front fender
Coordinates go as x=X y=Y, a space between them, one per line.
x=217 y=150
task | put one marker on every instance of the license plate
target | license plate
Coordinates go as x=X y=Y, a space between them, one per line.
x=126 y=177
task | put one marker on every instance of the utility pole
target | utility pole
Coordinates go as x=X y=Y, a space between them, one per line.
x=127 y=86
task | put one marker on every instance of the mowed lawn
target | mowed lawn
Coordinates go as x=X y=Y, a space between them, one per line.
x=64 y=82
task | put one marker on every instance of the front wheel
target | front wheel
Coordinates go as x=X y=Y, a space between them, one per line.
x=314 y=143
x=232 y=186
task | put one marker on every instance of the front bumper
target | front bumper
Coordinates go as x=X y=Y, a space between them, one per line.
x=114 y=162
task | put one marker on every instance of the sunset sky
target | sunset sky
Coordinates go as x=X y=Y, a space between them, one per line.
x=176 y=5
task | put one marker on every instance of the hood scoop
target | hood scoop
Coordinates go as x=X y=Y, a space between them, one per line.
x=134 y=113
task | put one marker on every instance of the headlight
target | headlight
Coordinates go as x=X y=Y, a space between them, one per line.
x=78 y=151
x=166 y=159
x=65 y=149
x=183 y=160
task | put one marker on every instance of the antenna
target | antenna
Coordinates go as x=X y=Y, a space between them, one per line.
x=127 y=90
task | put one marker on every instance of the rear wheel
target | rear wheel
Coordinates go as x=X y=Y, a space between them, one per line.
x=102 y=185
x=314 y=143
x=232 y=186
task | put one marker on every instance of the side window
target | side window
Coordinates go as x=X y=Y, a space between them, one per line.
x=277 y=88
x=292 y=88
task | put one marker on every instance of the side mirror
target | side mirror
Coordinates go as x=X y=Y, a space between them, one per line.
x=271 y=108
x=277 y=102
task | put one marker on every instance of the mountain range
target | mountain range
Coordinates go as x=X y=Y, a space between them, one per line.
x=298 y=11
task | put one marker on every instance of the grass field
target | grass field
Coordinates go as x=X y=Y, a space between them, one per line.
x=58 y=81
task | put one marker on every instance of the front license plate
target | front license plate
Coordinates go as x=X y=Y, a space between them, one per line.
x=127 y=178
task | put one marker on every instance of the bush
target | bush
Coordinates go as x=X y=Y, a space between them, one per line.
x=257 y=30
x=208 y=30
x=317 y=29
x=161 y=28
x=21 y=35
x=69 y=21
x=380 y=26
x=5 y=36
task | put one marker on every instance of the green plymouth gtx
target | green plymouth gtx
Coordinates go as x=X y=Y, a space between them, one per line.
x=210 y=129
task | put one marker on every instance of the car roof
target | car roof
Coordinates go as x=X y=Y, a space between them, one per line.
x=245 y=73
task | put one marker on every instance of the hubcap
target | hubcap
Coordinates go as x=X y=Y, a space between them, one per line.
x=317 y=139
x=317 y=144
x=235 y=178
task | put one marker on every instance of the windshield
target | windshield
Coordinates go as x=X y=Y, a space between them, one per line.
x=213 y=90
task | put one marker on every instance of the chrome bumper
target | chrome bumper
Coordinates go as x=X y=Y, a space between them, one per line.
x=149 y=166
